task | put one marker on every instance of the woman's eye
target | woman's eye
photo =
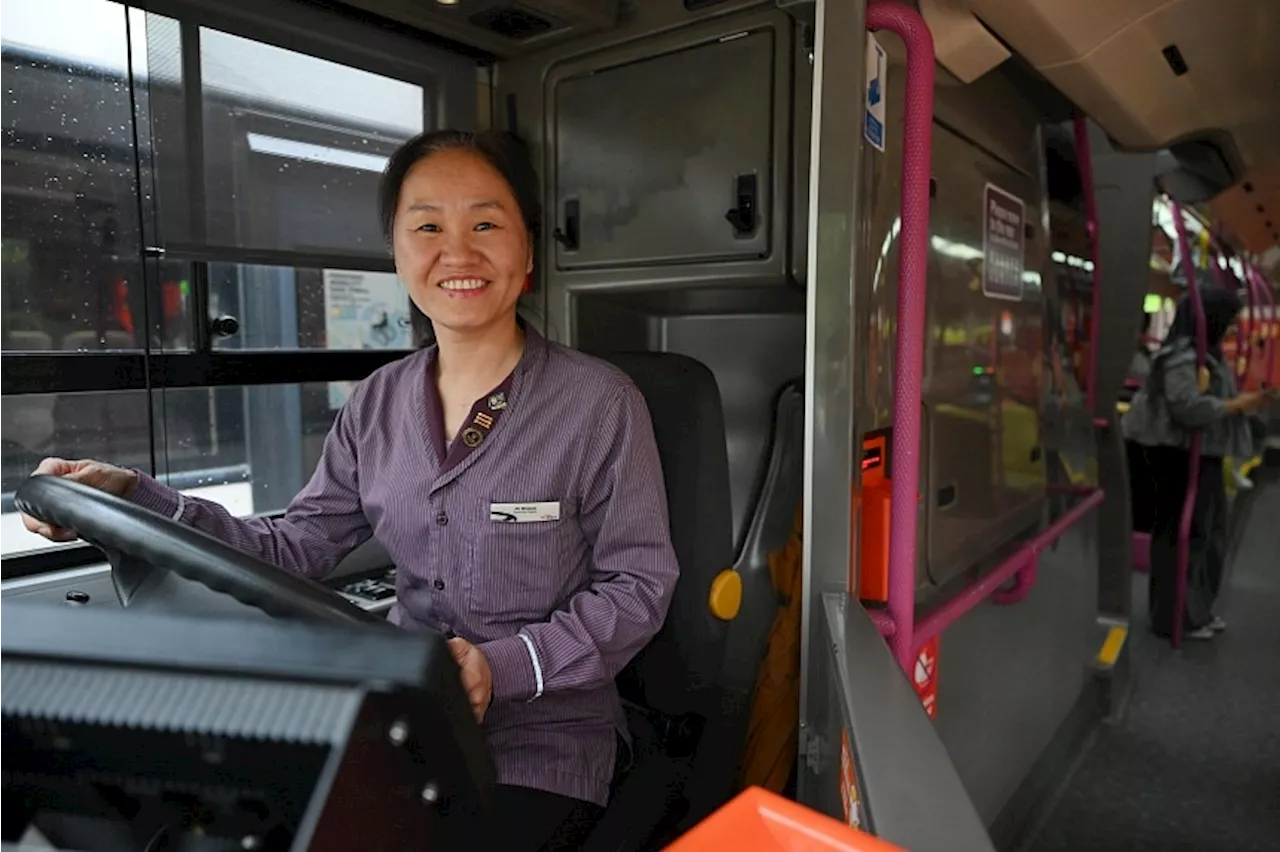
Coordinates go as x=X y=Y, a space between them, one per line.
x=485 y=226
x=429 y=228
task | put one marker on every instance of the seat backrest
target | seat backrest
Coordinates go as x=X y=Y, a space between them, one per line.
x=676 y=673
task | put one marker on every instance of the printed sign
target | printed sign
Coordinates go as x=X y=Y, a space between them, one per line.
x=873 y=108
x=363 y=310
x=1004 y=243
x=924 y=677
x=850 y=804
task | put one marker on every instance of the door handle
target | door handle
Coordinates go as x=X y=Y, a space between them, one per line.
x=743 y=215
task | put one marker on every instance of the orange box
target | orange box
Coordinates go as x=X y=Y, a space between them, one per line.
x=759 y=821
x=869 y=575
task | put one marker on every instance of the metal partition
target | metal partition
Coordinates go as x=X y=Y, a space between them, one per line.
x=909 y=791
x=834 y=253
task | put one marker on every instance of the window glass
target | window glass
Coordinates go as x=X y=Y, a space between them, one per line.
x=294 y=146
x=158 y=81
x=71 y=246
x=251 y=449
x=280 y=307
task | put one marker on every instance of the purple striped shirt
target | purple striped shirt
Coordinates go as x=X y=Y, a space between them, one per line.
x=557 y=607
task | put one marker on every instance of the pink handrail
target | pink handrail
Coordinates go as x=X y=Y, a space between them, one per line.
x=1246 y=339
x=1021 y=565
x=1084 y=157
x=908 y=368
x=1193 y=472
x=1218 y=256
x=1273 y=321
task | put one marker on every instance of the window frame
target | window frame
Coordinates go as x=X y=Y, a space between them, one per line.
x=447 y=73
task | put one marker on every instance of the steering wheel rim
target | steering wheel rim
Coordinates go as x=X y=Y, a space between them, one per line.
x=123 y=530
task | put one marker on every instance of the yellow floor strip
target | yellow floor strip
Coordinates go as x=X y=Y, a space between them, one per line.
x=1111 y=648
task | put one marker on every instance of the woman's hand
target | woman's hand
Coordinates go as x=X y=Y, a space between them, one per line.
x=1248 y=402
x=105 y=477
x=477 y=679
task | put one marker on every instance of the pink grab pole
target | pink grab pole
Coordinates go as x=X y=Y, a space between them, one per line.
x=908 y=368
x=1193 y=472
x=1218 y=257
x=1084 y=157
x=1273 y=321
x=1246 y=337
x=1255 y=323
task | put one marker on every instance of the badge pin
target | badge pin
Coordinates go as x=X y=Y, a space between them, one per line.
x=472 y=437
x=483 y=420
x=498 y=401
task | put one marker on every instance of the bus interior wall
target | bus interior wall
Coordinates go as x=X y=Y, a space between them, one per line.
x=637 y=162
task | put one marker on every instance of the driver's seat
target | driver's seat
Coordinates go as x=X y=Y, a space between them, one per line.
x=670 y=689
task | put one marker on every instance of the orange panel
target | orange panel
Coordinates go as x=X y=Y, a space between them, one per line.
x=760 y=821
x=871 y=571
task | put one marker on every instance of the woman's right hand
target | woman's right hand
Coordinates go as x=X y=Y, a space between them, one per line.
x=105 y=477
x=1248 y=402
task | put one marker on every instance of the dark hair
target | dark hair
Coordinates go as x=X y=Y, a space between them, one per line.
x=1220 y=309
x=505 y=151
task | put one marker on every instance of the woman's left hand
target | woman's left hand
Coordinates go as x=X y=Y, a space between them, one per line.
x=477 y=679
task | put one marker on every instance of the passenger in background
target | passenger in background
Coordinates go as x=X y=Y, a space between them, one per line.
x=1175 y=400
x=514 y=482
x=1142 y=498
x=1140 y=364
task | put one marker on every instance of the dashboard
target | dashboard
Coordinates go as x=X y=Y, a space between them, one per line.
x=365 y=577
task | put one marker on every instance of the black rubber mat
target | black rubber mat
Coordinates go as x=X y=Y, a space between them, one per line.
x=1194 y=764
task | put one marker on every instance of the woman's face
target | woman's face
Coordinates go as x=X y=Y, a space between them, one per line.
x=460 y=243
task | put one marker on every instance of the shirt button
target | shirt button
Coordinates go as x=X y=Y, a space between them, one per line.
x=439 y=584
x=442 y=519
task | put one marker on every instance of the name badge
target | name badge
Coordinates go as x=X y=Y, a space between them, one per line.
x=523 y=513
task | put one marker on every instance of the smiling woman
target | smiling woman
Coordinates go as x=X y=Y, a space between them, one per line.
x=515 y=484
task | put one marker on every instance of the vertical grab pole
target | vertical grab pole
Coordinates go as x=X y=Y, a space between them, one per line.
x=908 y=367
x=1273 y=321
x=1084 y=158
x=1218 y=257
x=1246 y=339
x=1193 y=472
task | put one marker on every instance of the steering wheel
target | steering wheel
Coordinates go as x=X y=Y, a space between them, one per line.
x=139 y=543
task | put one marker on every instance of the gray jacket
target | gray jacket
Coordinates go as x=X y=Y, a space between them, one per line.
x=1170 y=406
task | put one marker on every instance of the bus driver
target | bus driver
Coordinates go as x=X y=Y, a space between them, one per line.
x=436 y=454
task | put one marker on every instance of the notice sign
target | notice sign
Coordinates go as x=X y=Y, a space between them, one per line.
x=924 y=677
x=873 y=106
x=363 y=310
x=1004 y=243
x=850 y=805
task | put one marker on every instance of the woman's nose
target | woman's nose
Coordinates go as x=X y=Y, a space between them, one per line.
x=459 y=247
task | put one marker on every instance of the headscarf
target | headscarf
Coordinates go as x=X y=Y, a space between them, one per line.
x=1221 y=306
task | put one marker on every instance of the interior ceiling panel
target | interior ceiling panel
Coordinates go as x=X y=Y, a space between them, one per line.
x=502 y=28
x=1106 y=56
x=1251 y=209
x=1154 y=73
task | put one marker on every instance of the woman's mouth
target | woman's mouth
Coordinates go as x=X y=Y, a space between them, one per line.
x=464 y=287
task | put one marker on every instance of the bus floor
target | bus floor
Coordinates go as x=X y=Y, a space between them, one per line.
x=1194 y=762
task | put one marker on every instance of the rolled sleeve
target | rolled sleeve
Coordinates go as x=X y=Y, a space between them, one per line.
x=633 y=570
x=158 y=498
x=511 y=667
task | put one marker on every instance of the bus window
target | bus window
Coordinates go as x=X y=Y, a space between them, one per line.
x=202 y=256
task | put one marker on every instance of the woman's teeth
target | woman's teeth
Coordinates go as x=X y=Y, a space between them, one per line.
x=463 y=284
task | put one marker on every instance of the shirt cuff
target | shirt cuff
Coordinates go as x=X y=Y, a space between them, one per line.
x=161 y=499
x=512 y=668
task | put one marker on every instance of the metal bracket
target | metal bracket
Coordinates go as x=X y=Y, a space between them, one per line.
x=812 y=748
